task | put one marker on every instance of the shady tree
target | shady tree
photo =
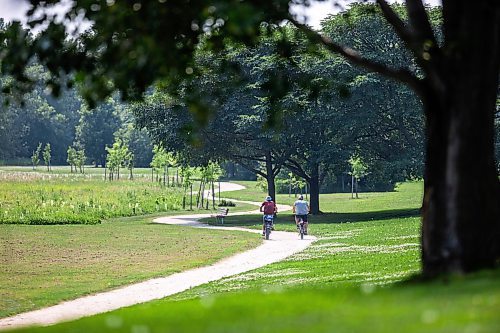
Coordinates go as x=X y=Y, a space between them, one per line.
x=134 y=44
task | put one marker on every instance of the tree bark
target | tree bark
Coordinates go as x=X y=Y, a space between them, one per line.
x=270 y=177
x=314 y=189
x=461 y=211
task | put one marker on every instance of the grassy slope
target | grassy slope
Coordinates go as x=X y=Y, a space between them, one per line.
x=42 y=265
x=348 y=281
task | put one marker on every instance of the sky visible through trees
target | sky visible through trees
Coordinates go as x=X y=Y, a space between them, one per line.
x=16 y=9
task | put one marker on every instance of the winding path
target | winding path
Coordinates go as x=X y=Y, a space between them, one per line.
x=281 y=245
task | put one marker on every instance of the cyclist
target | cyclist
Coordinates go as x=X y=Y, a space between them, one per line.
x=301 y=209
x=269 y=208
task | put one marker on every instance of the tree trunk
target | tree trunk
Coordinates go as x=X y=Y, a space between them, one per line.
x=270 y=177
x=461 y=211
x=314 y=190
x=191 y=198
x=184 y=199
x=352 y=187
x=213 y=195
x=271 y=186
x=167 y=175
x=198 y=195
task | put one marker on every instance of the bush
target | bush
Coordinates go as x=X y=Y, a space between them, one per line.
x=226 y=203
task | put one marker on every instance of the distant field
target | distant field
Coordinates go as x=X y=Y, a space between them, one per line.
x=406 y=196
x=88 y=170
x=59 y=197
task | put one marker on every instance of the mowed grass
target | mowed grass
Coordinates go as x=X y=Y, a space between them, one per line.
x=356 y=244
x=467 y=304
x=43 y=265
x=358 y=277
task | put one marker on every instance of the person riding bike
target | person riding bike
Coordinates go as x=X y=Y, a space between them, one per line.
x=269 y=208
x=301 y=210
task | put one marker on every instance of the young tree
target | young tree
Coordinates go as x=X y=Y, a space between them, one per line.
x=72 y=157
x=80 y=160
x=118 y=155
x=35 y=157
x=47 y=156
x=358 y=171
x=187 y=173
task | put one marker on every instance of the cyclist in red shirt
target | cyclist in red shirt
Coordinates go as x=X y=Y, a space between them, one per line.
x=269 y=208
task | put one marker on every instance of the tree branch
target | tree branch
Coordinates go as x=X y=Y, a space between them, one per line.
x=420 y=21
x=251 y=169
x=295 y=167
x=396 y=22
x=402 y=75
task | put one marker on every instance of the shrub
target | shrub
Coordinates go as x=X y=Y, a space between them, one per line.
x=227 y=203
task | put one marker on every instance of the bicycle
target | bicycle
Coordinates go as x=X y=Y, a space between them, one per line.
x=268 y=225
x=300 y=227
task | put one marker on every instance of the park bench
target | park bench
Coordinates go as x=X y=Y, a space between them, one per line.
x=219 y=217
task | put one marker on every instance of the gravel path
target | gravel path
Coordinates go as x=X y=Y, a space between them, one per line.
x=281 y=245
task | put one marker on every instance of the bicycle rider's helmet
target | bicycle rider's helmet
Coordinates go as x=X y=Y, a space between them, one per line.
x=268 y=198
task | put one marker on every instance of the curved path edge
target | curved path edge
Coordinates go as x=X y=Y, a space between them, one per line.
x=280 y=246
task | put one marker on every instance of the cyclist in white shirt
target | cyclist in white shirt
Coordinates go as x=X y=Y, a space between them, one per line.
x=301 y=209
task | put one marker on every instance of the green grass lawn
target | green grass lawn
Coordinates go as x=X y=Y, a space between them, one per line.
x=467 y=304
x=43 y=265
x=358 y=277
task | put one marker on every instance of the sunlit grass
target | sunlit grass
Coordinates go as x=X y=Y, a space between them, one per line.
x=41 y=198
x=358 y=277
x=43 y=265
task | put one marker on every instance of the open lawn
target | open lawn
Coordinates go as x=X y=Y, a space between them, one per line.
x=43 y=265
x=358 y=277
x=467 y=304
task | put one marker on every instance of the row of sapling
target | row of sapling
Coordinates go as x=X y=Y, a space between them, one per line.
x=209 y=175
x=119 y=156
x=76 y=159
x=160 y=164
x=187 y=174
x=46 y=154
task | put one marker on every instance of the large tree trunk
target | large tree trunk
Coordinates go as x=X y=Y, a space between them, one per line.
x=270 y=177
x=314 y=190
x=271 y=186
x=461 y=211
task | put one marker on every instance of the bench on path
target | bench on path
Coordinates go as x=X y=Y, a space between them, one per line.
x=219 y=217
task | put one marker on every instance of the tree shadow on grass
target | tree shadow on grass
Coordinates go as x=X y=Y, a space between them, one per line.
x=365 y=216
x=327 y=218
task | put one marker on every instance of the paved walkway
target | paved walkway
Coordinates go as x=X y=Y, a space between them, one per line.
x=281 y=245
